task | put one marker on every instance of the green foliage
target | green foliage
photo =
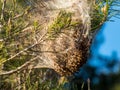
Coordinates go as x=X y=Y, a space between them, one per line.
x=13 y=21
x=62 y=21
x=102 y=12
x=98 y=16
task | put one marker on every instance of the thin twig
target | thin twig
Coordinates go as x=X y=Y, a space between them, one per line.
x=88 y=83
x=3 y=7
x=82 y=87
x=19 y=68
x=22 y=14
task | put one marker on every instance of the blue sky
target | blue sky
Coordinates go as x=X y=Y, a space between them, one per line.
x=111 y=34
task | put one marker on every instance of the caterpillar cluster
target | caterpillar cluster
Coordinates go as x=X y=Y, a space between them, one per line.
x=69 y=50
